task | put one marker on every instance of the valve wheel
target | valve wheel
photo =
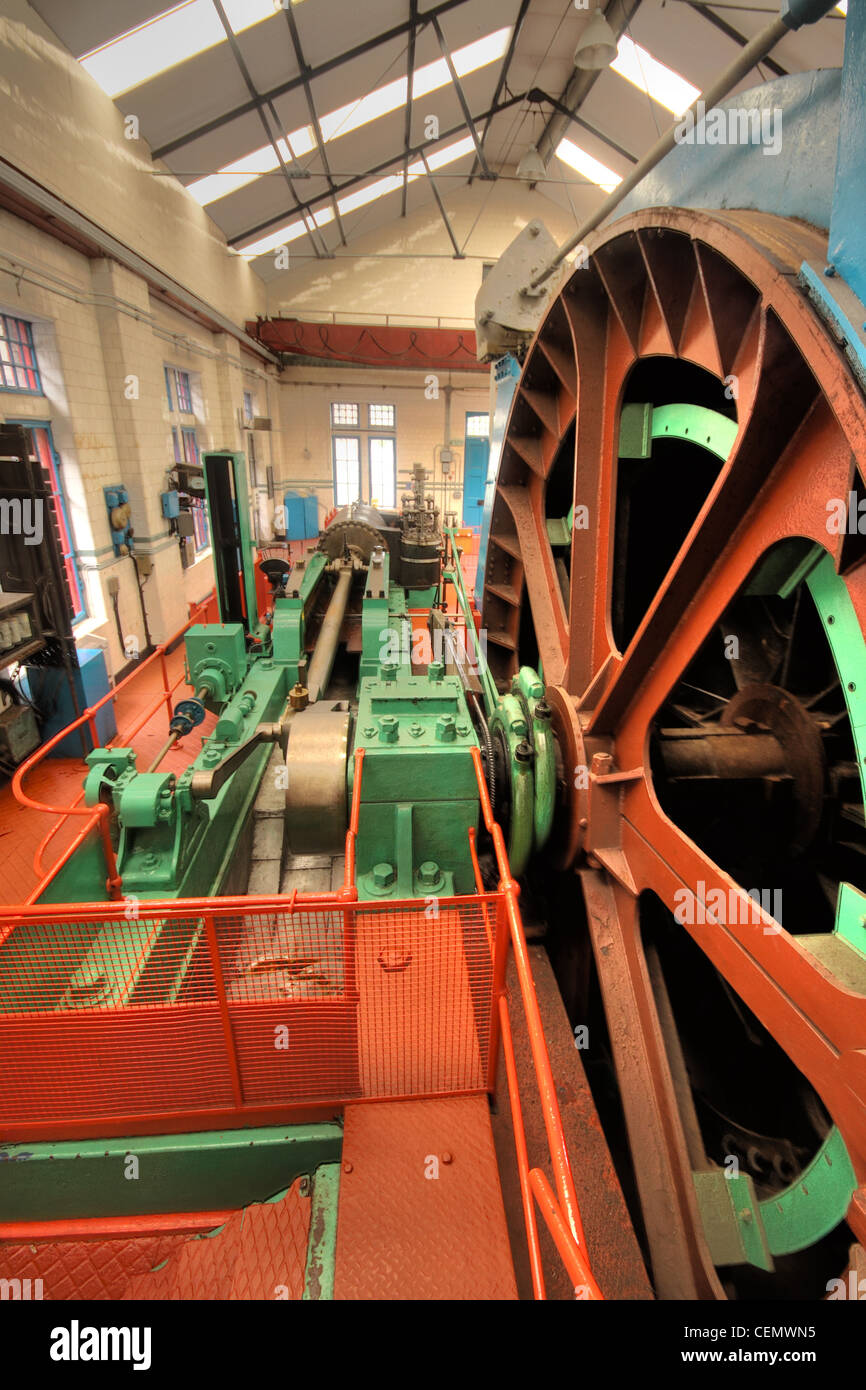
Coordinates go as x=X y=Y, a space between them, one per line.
x=660 y=542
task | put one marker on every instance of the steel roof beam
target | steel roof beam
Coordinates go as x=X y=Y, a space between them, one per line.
x=410 y=78
x=314 y=115
x=461 y=97
x=732 y=33
x=503 y=75
x=458 y=254
x=272 y=140
x=619 y=14
x=291 y=85
x=377 y=169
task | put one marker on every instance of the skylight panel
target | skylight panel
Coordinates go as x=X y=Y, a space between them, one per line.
x=354 y=114
x=644 y=71
x=169 y=39
x=161 y=43
x=842 y=7
x=285 y=235
x=252 y=166
x=592 y=169
x=444 y=156
x=357 y=113
x=467 y=59
x=362 y=196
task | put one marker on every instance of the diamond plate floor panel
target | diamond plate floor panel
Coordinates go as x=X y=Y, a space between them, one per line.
x=260 y=1253
x=420 y=1211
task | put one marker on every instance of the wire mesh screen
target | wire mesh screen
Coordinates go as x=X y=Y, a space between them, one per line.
x=186 y=1011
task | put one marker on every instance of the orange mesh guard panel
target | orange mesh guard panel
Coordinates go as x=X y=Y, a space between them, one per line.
x=222 y=1013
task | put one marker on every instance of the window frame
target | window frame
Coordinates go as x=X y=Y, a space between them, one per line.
x=25 y=345
x=476 y=415
x=382 y=439
x=344 y=426
x=74 y=584
x=379 y=429
x=178 y=378
x=360 y=467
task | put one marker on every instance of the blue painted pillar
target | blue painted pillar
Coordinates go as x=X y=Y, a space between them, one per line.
x=847 y=250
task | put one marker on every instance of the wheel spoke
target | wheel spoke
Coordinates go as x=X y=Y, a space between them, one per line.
x=761 y=496
x=681 y=1263
x=823 y=1024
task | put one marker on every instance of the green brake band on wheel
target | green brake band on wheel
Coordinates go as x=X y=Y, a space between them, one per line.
x=509 y=719
x=528 y=685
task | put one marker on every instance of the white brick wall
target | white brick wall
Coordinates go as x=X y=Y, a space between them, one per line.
x=304 y=441
x=87 y=345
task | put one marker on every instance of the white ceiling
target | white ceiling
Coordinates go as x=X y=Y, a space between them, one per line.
x=208 y=88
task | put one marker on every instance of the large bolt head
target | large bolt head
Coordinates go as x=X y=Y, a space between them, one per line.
x=428 y=874
x=383 y=875
x=446 y=728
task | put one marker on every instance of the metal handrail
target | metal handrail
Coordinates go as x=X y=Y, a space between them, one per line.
x=96 y=815
x=561 y=1211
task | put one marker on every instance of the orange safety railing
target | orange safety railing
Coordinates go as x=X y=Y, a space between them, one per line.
x=561 y=1212
x=219 y=1012
x=97 y=815
x=228 y=1011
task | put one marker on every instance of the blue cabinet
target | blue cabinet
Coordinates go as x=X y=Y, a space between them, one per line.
x=302 y=517
x=48 y=688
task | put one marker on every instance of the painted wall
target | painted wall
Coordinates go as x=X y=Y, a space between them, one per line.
x=59 y=127
x=102 y=343
x=302 y=439
x=407 y=268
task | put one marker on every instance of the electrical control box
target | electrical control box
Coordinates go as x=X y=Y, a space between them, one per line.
x=119 y=519
x=19 y=734
x=170 y=504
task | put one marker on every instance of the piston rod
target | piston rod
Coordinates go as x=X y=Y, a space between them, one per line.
x=322 y=662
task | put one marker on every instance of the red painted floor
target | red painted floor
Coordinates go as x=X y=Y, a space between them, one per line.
x=58 y=781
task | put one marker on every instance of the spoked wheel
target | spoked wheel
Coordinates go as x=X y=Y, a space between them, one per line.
x=675 y=544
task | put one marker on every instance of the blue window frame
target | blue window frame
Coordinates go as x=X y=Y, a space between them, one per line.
x=19 y=370
x=201 y=534
x=178 y=382
x=184 y=394
x=189 y=442
x=43 y=447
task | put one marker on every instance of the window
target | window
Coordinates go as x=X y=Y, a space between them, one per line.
x=249 y=409
x=189 y=442
x=18 y=367
x=344 y=414
x=660 y=82
x=43 y=446
x=477 y=426
x=201 y=534
x=383 y=472
x=178 y=382
x=347 y=469
x=381 y=417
